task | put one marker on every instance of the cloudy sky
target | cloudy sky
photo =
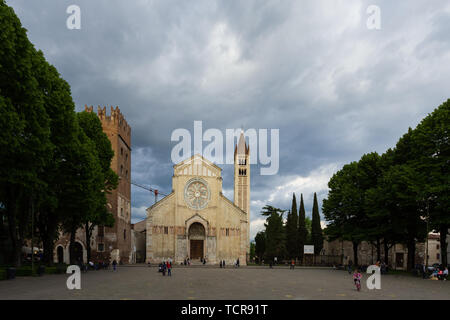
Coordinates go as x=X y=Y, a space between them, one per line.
x=312 y=69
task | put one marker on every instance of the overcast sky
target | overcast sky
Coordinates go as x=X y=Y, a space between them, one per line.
x=311 y=69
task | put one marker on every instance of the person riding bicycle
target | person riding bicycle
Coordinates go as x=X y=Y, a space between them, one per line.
x=357 y=278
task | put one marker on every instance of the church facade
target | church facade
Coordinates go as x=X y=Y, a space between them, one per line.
x=196 y=220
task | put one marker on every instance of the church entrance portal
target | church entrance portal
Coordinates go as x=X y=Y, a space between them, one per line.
x=196 y=241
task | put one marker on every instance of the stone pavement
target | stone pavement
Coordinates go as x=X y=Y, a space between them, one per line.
x=197 y=283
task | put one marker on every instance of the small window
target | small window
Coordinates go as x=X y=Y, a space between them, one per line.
x=126 y=157
x=437 y=247
x=124 y=234
x=100 y=247
x=227 y=231
x=121 y=169
x=438 y=256
x=166 y=230
x=121 y=151
x=126 y=173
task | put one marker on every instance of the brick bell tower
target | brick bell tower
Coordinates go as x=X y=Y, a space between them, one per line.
x=242 y=188
x=115 y=242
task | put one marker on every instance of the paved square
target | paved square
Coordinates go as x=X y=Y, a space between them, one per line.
x=260 y=283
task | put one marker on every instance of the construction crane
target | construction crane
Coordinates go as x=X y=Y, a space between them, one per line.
x=154 y=191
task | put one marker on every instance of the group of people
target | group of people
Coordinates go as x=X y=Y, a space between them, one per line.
x=236 y=263
x=440 y=273
x=96 y=265
x=166 y=266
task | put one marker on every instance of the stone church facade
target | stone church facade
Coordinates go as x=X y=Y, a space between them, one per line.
x=108 y=244
x=196 y=220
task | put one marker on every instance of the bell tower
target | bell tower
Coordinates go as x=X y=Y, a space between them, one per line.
x=242 y=175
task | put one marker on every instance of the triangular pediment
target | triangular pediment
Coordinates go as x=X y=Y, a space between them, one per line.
x=197 y=165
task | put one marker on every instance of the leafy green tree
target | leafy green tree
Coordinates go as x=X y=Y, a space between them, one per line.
x=302 y=237
x=275 y=233
x=432 y=161
x=343 y=208
x=252 y=251
x=316 y=228
x=292 y=231
x=25 y=145
x=260 y=245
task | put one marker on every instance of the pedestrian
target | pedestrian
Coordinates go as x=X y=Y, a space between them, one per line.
x=169 y=269
x=445 y=274
x=164 y=267
x=292 y=264
x=114 y=263
x=220 y=264
x=237 y=262
x=350 y=269
x=223 y=263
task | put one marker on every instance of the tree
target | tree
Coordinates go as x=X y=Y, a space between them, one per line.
x=292 y=231
x=343 y=208
x=260 y=245
x=316 y=228
x=252 y=251
x=432 y=141
x=25 y=145
x=302 y=229
x=275 y=234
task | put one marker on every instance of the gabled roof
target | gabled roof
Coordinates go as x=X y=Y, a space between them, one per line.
x=196 y=157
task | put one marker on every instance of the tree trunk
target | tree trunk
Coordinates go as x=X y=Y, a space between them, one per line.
x=88 y=233
x=411 y=254
x=11 y=209
x=355 y=254
x=378 y=250
x=443 y=230
x=386 y=253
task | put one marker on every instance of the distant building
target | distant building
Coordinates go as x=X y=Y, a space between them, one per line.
x=367 y=252
x=108 y=244
x=138 y=234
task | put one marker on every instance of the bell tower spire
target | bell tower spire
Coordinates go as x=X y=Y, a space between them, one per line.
x=242 y=174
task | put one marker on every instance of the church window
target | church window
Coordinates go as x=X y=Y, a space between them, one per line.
x=166 y=230
x=124 y=234
x=227 y=232
x=121 y=212
x=121 y=169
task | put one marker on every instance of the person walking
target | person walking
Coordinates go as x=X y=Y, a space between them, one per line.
x=169 y=269
x=114 y=263
x=164 y=268
x=220 y=264
x=292 y=264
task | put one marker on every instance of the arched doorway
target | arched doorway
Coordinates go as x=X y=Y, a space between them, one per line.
x=60 y=254
x=196 y=240
x=77 y=252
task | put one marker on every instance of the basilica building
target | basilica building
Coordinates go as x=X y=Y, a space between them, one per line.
x=196 y=220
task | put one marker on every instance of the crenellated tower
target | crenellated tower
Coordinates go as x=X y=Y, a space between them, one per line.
x=117 y=240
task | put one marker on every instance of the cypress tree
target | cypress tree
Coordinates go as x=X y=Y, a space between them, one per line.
x=316 y=229
x=302 y=231
x=291 y=230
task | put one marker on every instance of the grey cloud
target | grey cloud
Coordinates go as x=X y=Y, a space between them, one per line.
x=312 y=69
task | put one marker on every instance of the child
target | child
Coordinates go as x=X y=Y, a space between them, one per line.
x=357 y=279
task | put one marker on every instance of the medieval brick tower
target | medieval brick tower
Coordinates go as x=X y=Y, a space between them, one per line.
x=242 y=181
x=116 y=241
